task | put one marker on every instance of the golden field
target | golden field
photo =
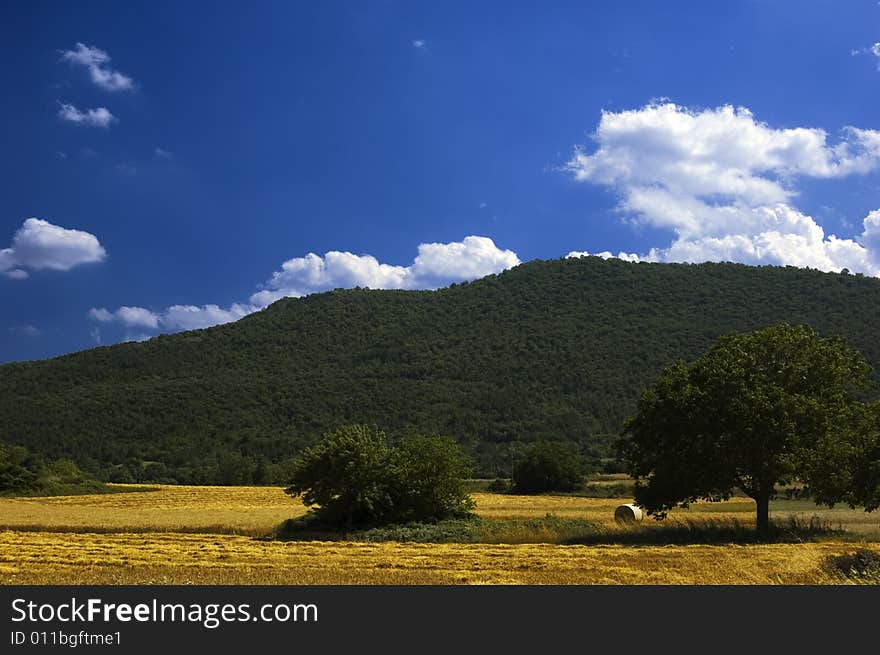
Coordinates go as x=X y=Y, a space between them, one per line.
x=217 y=535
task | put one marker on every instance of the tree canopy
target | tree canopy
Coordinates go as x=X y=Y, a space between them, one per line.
x=758 y=409
x=354 y=477
x=548 y=466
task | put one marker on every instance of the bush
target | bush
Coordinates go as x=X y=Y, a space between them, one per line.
x=548 y=466
x=15 y=475
x=355 y=478
x=427 y=482
x=499 y=486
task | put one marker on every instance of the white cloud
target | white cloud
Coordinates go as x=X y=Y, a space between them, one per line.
x=723 y=183
x=436 y=264
x=100 y=117
x=190 y=317
x=873 y=50
x=128 y=316
x=95 y=60
x=419 y=43
x=38 y=244
x=161 y=153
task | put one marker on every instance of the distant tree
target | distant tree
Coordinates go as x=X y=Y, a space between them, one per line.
x=756 y=410
x=354 y=477
x=15 y=476
x=548 y=466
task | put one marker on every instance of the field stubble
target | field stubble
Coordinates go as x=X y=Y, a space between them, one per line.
x=211 y=535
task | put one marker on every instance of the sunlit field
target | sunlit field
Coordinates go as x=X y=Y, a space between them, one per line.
x=72 y=558
x=222 y=535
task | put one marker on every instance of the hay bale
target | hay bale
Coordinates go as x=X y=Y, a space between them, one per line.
x=628 y=513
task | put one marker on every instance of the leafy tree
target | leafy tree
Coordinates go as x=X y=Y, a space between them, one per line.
x=356 y=478
x=347 y=475
x=428 y=480
x=15 y=476
x=548 y=466
x=756 y=410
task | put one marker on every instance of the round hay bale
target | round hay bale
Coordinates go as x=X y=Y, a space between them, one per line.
x=628 y=513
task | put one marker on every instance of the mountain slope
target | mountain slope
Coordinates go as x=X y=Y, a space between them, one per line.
x=549 y=349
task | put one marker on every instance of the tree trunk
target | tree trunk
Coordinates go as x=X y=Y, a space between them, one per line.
x=762 y=500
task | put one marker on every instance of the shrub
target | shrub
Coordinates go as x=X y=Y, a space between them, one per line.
x=427 y=480
x=548 y=466
x=499 y=486
x=355 y=478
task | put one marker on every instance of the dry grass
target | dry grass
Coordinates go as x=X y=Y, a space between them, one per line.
x=223 y=510
x=205 y=535
x=54 y=558
x=256 y=511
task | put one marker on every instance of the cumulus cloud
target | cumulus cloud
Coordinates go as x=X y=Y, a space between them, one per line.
x=95 y=61
x=436 y=264
x=39 y=244
x=723 y=183
x=129 y=316
x=100 y=117
x=419 y=43
x=190 y=317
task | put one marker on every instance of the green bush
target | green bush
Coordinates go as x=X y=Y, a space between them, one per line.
x=548 y=466
x=355 y=478
x=15 y=476
x=427 y=480
x=499 y=486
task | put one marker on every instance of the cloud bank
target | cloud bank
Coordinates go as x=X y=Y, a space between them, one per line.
x=436 y=265
x=38 y=245
x=723 y=183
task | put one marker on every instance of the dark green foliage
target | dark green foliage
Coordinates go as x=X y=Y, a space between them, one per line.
x=549 y=349
x=348 y=475
x=427 y=480
x=16 y=477
x=759 y=409
x=356 y=478
x=499 y=486
x=23 y=474
x=548 y=466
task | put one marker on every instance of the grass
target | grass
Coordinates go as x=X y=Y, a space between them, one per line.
x=51 y=558
x=225 y=535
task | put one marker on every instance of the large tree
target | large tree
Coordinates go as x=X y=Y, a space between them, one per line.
x=757 y=410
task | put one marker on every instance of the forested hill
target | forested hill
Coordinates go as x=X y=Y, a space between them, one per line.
x=549 y=349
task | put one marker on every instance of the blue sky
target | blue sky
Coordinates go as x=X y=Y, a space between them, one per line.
x=175 y=165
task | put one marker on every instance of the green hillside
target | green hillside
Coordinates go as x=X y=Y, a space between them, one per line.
x=548 y=350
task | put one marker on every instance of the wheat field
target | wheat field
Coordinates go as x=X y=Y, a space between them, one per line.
x=218 y=535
